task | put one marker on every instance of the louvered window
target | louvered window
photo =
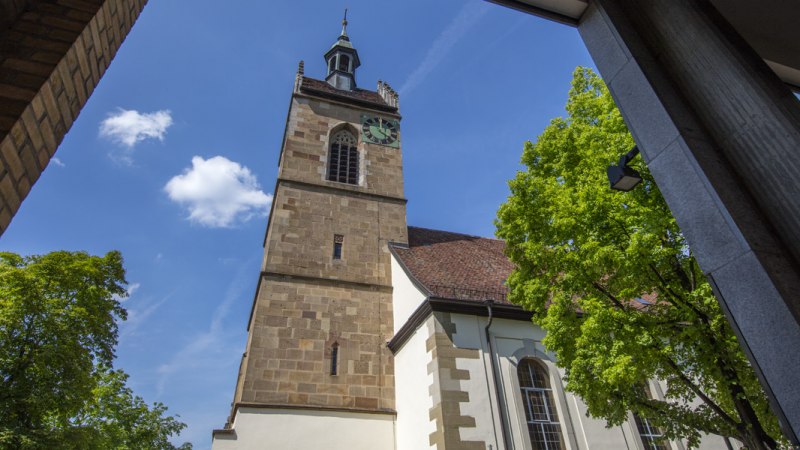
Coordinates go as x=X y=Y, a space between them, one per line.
x=343 y=158
x=540 y=409
x=344 y=63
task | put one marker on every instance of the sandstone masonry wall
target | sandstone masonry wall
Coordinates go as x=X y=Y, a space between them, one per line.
x=446 y=389
x=305 y=220
x=294 y=327
x=305 y=152
x=309 y=302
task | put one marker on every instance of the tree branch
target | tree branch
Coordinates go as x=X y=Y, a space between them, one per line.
x=706 y=399
x=611 y=297
x=683 y=303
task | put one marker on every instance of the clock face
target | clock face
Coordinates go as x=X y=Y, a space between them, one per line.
x=378 y=130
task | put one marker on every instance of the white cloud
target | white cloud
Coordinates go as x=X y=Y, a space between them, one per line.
x=458 y=27
x=132 y=287
x=139 y=314
x=57 y=162
x=218 y=192
x=128 y=127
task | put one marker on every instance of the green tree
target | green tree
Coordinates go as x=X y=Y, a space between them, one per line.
x=587 y=258
x=58 y=332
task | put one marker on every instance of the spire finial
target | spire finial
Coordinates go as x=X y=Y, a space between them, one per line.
x=344 y=23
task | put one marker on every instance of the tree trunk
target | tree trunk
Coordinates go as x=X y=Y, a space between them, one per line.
x=756 y=438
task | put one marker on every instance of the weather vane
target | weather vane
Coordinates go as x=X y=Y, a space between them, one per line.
x=344 y=23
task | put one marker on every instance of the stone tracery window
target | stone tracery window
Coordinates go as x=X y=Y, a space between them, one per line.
x=343 y=158
x=541 y=416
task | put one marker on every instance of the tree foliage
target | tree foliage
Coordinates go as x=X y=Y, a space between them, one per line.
x=588 y=259
x=58 y=332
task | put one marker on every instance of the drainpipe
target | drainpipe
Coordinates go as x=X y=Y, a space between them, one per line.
x=500 y=410
x=728 y=443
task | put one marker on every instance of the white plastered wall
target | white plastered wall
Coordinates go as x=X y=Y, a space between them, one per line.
x=405 y=296
x=413 y=398
x=482 y=404
x=513 y=340
x=289 y=429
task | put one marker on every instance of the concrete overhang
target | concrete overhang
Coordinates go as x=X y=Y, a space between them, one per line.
x=769 y=26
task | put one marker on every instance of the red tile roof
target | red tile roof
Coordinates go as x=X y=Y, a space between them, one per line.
x=456 y=266
x=320 y=87
x=462 y=267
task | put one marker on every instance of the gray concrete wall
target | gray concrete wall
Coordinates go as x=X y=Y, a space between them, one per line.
x=719 y=132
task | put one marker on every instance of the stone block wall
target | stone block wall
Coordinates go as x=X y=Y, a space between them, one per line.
x=306 y=218
x=52 y=56
x=446 y=389
x=309 y=302
x=294 y=327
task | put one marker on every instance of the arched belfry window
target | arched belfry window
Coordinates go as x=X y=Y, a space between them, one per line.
x=344 y=63
x=343 y=158
x=540 y=408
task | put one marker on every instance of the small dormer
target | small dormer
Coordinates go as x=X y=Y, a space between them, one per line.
x=342 y=61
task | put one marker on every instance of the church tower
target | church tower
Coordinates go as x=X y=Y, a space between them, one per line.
x=316 y=372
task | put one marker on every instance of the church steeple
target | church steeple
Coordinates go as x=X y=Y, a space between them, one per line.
x=342 y=59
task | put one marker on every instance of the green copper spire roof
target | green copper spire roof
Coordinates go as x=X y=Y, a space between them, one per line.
x=344 y=40
x=344 y=27
x=342 y=61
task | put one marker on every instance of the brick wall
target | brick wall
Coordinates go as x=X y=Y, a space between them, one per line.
x=51 y=58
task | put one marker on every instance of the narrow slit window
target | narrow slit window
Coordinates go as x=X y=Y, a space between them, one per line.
x=335 y=358
x=338 y=240
x=343 y=158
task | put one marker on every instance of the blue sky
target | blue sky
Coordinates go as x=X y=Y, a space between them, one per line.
x=173 y=159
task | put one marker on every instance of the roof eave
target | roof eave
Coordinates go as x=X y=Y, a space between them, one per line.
x=439 y=304
x=567 y=12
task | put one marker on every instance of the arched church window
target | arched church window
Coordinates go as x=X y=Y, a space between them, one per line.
x=332 y=64
x=344 y=63
x=540 y=409
x=652 y=436
x=343 y=158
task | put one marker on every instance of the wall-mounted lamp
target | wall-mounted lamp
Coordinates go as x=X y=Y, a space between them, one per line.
x=621 y=177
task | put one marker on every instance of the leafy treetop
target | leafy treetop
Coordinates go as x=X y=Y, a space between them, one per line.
x=58 y=332
x=584 y=253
